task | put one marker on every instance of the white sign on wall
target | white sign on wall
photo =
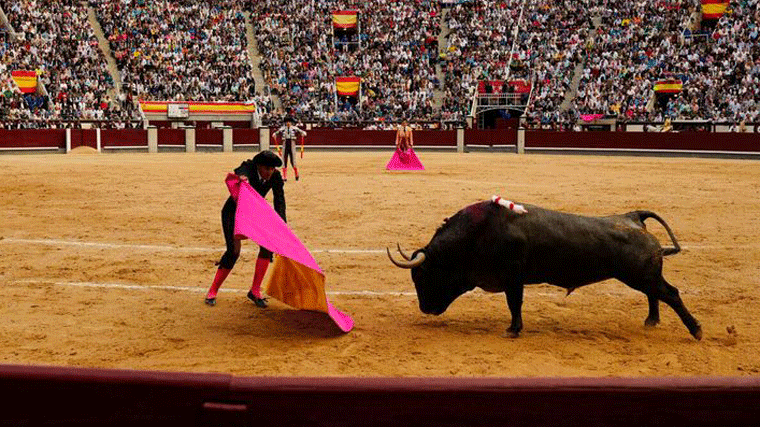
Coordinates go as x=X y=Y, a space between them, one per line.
x=177 y=111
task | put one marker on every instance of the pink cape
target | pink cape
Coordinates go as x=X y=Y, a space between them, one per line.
x=591 y=117
x=296 y=278
x=405 y=161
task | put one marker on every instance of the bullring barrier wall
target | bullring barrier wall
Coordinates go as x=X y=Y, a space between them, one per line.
x=229 y=139
x=684 y=142
x=67 y=396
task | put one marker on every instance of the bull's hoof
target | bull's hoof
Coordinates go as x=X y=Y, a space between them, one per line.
x=697 y=333
x=512 y=333
x=651 y=323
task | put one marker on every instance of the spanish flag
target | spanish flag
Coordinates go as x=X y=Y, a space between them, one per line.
x=668 y=86
x=713 y=9
x=200 y=107
x=295 y=278
x=25 y=80
x=347 y=86
x=344 y=18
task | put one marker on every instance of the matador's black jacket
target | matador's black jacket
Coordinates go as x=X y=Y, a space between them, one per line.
x=275 y=183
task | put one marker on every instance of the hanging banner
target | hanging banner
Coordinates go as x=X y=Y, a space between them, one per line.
x=668 y=86
x=713 y=9
x=344 y=18
x=25 y=80
x=190 y=107
x=347 y=86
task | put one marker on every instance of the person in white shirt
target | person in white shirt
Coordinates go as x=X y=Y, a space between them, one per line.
x=288 y=134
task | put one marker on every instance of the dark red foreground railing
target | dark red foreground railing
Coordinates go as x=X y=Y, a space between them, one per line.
x=85 y=397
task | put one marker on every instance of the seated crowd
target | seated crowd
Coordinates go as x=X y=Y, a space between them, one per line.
x=394 y=55
x=478 y=47
x=723 y=69
x=635 y=44
x=180 y=49
x=198 y=50
x=55 y=39
x=547 y=47
x=641 y=43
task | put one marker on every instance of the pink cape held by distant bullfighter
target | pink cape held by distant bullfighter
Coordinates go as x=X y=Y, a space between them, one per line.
x=405 y=160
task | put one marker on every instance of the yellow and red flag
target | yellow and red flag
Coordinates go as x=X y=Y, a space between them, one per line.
x=200 y=107
x=713 y=9
x=344 y=18
x=25 y=80
x=347 y=86
x=668 y=86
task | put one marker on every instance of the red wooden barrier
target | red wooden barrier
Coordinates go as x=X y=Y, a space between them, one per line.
x=84 y=137
x=434 y=138
x=171 y=137
x=690 y=142
x=209 y=137
x=124 y=138
x=681 y=141
x=77 y=397
x=94 y=397
x=350 y=137
x=238 y=124
x=245 y=136
x=33 y=138
x=378 y=137
x=490 y=136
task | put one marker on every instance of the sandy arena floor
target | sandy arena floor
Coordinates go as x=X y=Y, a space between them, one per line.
x=106 y=259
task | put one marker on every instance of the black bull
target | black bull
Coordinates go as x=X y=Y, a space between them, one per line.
x=498 y=250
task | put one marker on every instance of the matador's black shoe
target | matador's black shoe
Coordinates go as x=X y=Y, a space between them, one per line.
x=210 y=301
x=260 y=302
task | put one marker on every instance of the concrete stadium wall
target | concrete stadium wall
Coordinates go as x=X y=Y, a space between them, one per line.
x=65 y=396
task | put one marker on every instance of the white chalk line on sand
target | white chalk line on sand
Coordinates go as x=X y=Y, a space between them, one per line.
x=622 y=292
x=103 y=245
x=168 y=248
x=197 y=289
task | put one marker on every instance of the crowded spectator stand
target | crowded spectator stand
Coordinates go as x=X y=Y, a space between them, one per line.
x=581 y=58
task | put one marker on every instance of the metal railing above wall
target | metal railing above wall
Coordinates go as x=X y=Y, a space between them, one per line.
x=375 y=125
x=505 y=99
x=69 y=124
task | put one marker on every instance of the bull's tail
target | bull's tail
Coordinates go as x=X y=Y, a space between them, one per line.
x=643 y=215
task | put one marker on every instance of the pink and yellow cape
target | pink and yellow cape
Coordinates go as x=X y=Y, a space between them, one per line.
x=296 y=278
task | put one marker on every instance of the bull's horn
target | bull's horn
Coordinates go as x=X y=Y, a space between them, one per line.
x=406 y=257
x=418 y=259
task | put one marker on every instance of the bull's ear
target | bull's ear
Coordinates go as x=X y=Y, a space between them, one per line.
x=445 y=220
